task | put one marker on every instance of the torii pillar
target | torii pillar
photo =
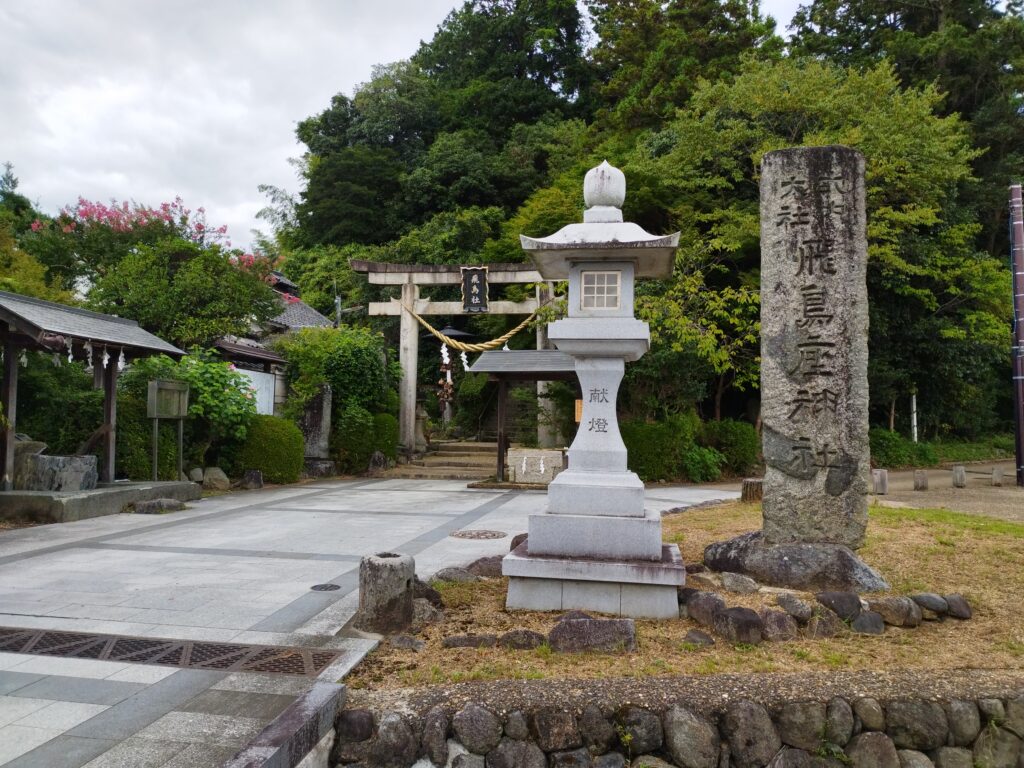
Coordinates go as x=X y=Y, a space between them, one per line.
x=410 y=277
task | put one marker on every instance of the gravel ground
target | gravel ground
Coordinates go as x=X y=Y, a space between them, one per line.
x=980 y=497
x=706 y=694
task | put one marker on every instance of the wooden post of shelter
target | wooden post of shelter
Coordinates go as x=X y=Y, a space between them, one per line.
x=109 y=421
x=10 y=409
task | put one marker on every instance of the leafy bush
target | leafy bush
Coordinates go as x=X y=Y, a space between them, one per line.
x=352 y=360
x=737 y=441
x=656 y=449
x=353 y=440
x=275 y=447
x=57 y=404
x=385 y=434
x=702 y=465
x=892 y=450
x=135 y=442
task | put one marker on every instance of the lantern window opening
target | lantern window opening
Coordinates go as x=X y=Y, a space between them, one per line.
x=601 y=290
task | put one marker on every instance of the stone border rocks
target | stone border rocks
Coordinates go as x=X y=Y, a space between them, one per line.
x=799 y=727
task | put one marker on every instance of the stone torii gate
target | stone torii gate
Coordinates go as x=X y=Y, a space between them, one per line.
x=410 y=277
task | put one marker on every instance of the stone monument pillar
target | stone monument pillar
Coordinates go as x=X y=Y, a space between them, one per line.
x=814 y=367
x=596 y=547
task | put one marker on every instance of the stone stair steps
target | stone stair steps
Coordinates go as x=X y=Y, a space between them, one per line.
x=412 y=472
x=429 y=460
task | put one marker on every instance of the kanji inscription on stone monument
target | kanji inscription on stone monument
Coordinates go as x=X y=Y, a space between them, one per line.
x=814 y=318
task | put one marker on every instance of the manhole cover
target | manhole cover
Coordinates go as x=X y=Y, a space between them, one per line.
x=324 y=587
x=479 y=534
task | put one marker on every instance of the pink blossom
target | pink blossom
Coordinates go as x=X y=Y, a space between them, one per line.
x=37 y=225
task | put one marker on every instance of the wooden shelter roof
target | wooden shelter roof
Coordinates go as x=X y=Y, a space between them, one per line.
x=38 y=323
x=525 y=364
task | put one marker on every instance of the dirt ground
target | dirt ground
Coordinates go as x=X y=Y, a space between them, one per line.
x=980 y=497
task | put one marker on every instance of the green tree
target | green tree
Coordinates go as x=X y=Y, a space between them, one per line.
x=650 y=55
x=187 y=294
x=925 y=277
x=20 y=272
x=972 y=50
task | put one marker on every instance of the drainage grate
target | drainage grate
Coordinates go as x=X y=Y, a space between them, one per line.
x=325 y=587
x=188 y=654
x=478 y=534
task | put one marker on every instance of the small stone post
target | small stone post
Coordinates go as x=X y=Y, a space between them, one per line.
x=814 y=346
x=997 y=477
x=385 y=592
x=920 y=480
x=880 y=480
x=959 y=476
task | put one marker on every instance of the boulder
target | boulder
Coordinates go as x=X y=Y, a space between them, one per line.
x=422 y=590
x=423 y=612
x=555 y=730
x=606 y=635
x=964 y=722
x=953 y=757
x=457 y=575
x=796 y=565
x=597 y=733
x=738 y=583
x=435 y=735
x=778 y=626
x=394 y=745
x=252 y=479
x=516 y=726
x=519 y=538
x=799 y=609
x=610 y=760
x=214 y=479
x=639 y=729
x=477 y=728
x=846 y=605
x=753 y=740
x=353 y=725
x=468 y=760
x=871 y=714
x=958 y=606
x=825 y=623
x=801 y=724
x=576 y=758
x=872 y=750
x=649 y=761
x=486 y=567
x=158 y=506
x=42 y=472
x=195 y=475
x=407 y=643
x=996 y=748
x=788 y=757
x=739 y=625
x=896 y=611
x=690 y=740
x=1014 y=721
x=911 y=758
x=839 y=722
x=929 y=601
x=916 y=724
x=521 y=640
x=992 y=710
x=697 y=639
x=516 y=754
x=702 y=607
x=868 y=623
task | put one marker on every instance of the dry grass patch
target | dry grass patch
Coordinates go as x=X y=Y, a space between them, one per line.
x=915 y=550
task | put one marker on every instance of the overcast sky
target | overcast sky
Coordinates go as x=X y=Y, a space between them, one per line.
x=146 y=100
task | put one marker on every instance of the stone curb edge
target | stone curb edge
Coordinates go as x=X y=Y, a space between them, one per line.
x=296 y=732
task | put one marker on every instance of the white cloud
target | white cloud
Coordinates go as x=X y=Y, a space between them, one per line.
x=146 y=100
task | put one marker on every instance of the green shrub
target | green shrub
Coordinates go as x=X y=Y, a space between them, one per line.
x=892 y=451
x=274 y=446
x=737 y=441
x=702 y=465
x=385 y=434
x=57 y=404
x=656 y=449
x=353 y=440
x=135 y=442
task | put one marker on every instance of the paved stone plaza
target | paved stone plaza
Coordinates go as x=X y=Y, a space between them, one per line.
x=235 y=568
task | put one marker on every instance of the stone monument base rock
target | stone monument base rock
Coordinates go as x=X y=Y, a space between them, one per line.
x=798 y=566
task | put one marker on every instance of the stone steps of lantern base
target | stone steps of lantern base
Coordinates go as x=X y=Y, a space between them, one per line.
x=412 y=472
x=488 y=462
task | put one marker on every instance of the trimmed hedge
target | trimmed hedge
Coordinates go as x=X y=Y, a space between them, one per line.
x=354 y=438
x=275 y=447
x=667 y=450
x=736 y=441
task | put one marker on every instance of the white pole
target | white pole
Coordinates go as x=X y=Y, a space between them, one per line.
x=913 y=417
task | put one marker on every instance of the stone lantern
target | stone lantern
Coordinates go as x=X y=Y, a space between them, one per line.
x=596 y=547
